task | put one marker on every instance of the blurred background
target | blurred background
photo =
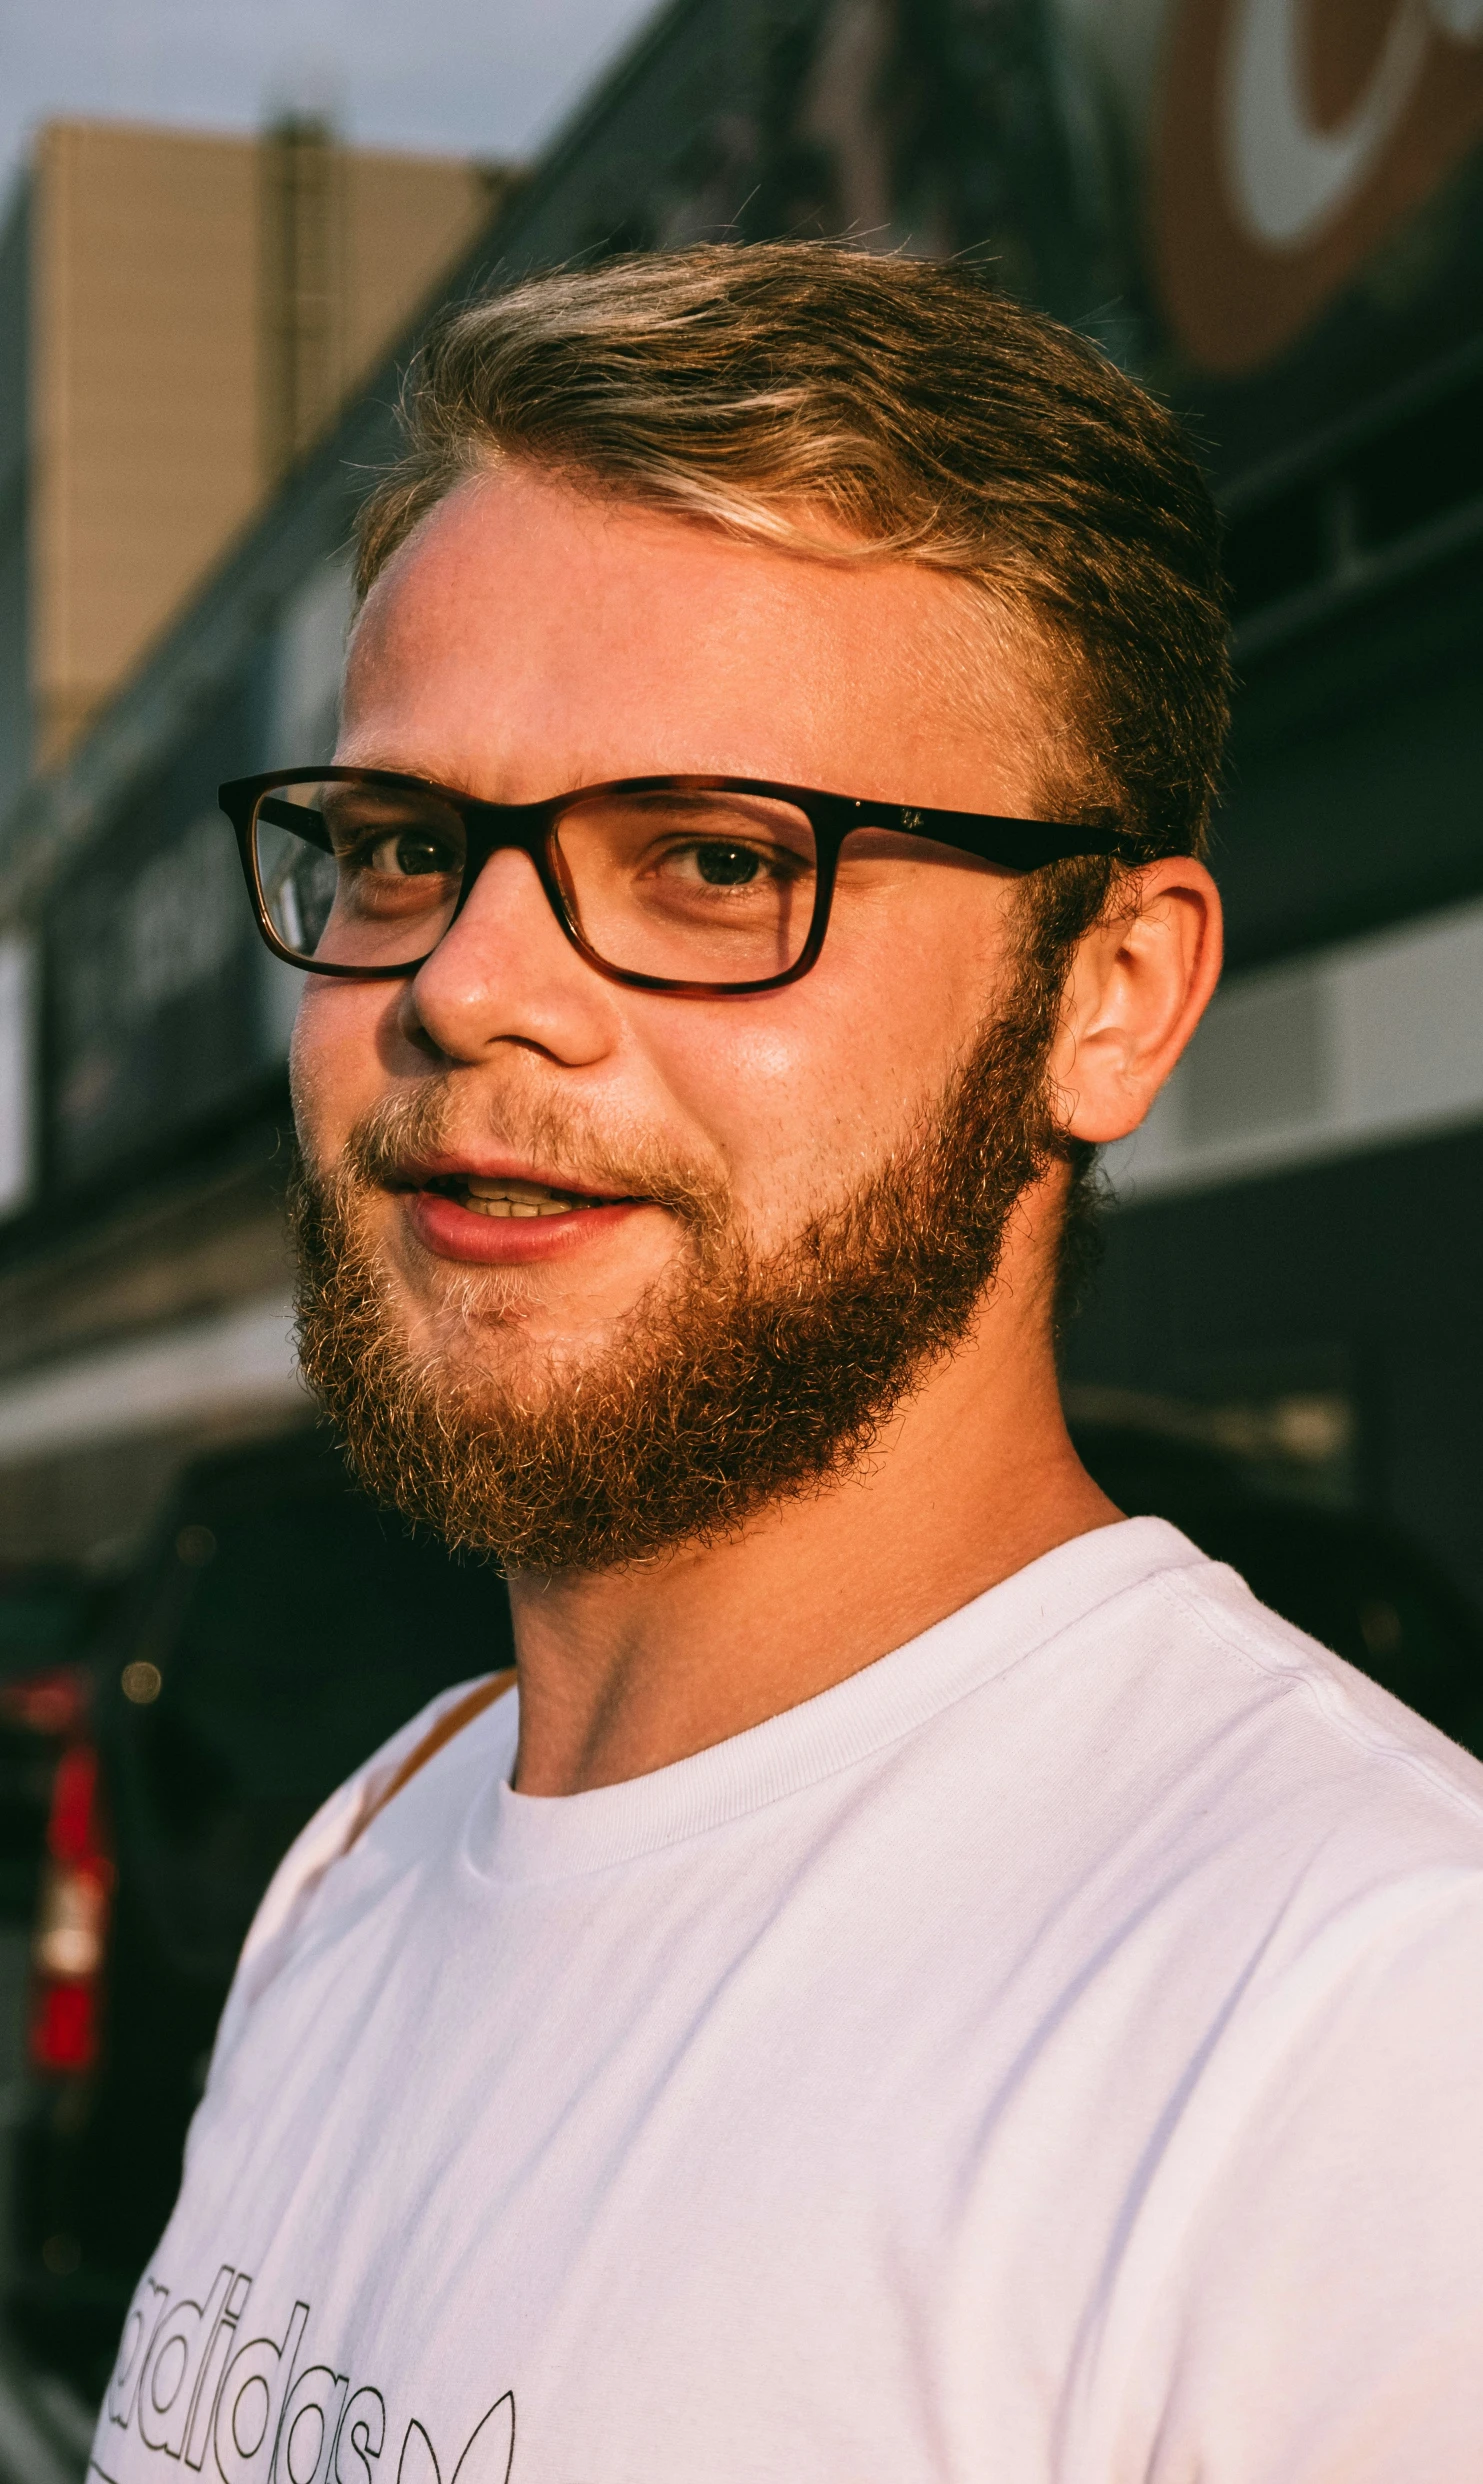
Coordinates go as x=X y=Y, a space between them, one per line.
x=222 y=233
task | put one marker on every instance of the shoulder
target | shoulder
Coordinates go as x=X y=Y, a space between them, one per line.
x=1207 y=1743
x=1311 y=1709
x=1295 y=1815
x=335 y=1828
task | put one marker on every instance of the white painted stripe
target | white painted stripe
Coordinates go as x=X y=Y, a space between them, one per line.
x=1371 y=1041
x=232 y=1361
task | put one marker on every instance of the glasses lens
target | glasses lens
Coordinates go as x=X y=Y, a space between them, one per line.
x=692 y=887
x=358 y=875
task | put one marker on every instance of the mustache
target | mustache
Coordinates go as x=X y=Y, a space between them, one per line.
x=400 y=1134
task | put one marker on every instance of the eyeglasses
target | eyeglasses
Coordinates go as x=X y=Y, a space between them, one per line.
x=696 y=885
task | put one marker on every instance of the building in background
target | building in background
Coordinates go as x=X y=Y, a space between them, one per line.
x=1277 y=215
x=181 y=317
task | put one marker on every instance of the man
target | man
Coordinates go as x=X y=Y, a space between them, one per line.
x=928 y=1979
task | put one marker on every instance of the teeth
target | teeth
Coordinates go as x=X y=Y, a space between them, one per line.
x=519 y=1198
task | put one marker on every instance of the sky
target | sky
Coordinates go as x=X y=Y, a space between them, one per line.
x=482 y=77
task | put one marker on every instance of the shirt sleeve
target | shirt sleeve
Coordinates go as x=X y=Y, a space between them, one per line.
x=1320 y=2315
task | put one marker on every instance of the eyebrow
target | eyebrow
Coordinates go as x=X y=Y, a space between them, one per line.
x=450 y=781
x=390 y=765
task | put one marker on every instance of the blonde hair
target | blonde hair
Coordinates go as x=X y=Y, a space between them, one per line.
x=811 y=396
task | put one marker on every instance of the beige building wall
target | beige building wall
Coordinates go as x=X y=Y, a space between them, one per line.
x=407 y=221
x=201 y=308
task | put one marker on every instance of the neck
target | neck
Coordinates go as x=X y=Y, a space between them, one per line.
x=626 y=1671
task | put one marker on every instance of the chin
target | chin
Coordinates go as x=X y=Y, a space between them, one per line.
x=482 y=1331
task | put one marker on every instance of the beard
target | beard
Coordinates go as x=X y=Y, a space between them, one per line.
x=742 y=1379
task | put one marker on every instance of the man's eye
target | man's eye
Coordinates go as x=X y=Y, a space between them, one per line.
x=726 y=866
x=409 y=854
x=721 y=862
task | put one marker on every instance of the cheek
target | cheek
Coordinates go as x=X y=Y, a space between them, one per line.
x=803 y=1091
x=336 y=1060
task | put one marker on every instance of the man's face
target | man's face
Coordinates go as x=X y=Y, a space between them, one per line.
x=528 y=640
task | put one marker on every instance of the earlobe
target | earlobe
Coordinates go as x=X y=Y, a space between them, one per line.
x=1136 y=992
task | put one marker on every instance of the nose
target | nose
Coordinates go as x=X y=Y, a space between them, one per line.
x=505 y=972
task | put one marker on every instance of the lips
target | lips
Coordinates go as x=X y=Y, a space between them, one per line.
x=505 y=1218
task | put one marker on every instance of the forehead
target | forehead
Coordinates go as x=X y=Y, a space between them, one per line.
x=529 y=636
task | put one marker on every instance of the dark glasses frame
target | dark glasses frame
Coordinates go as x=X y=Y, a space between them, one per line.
x=530 y=828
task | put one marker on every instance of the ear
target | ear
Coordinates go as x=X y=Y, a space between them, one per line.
x=1137 y=990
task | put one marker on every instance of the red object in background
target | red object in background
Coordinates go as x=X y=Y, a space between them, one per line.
x=54 y=1702
x=72 y=1920
x=64 y=2026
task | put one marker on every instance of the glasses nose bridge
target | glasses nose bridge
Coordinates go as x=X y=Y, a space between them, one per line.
x=492 y=827
x=495 y=828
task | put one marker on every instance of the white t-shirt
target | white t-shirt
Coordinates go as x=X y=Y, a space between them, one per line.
x=1052 y=2056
